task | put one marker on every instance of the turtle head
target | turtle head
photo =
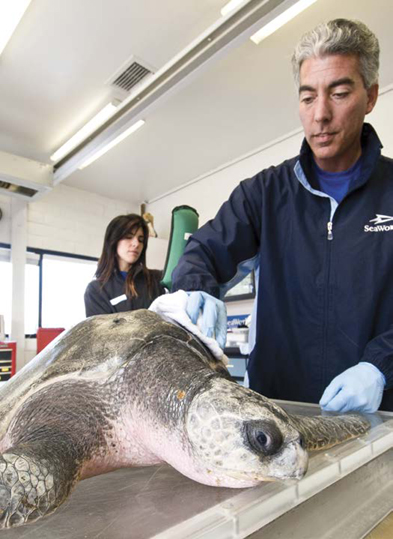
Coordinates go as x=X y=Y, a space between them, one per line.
x=239 y=438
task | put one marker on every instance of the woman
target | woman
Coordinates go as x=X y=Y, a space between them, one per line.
x=123 y=282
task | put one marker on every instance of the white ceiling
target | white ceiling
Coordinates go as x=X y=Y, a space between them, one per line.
x=54 y=71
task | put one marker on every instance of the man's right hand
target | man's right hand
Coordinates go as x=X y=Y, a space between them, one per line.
x=213 y=321
x=190 y=308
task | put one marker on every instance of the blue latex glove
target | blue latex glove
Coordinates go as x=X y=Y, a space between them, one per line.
x=359 y=388
x=214 y=315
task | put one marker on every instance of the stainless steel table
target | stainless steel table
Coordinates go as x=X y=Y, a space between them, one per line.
x=346 y=491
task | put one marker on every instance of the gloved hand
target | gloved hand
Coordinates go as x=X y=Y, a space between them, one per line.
x=359 y=388
x=213 y=322
x=175 y=307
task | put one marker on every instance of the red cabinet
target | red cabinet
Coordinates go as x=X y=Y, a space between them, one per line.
x=7 y=360
x=45 y=336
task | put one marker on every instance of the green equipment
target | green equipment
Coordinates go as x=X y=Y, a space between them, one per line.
x=184 y=223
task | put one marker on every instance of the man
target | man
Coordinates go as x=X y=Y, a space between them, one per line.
x=325 y=288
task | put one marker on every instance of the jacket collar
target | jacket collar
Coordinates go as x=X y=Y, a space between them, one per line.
x=138 y=270
x=371 y=151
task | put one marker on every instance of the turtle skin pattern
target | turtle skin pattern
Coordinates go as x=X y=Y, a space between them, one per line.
x=27 y=490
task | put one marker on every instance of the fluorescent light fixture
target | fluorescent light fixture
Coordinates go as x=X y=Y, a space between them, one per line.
x=113 y=143
x=280 y=20
x=230 y=6
x=11 y=13
x=83 y=133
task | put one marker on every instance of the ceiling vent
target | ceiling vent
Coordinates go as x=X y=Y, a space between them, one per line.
x=130 y=74
x=17 y=189
x=24 y=178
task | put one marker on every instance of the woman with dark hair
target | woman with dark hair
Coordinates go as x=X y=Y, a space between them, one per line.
x=123 y=282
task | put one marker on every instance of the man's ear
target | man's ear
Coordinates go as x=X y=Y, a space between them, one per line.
x=372 y=96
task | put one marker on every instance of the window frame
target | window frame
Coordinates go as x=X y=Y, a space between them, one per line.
x=41 y=253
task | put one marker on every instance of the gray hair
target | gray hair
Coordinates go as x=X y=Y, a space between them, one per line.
x=340 y=36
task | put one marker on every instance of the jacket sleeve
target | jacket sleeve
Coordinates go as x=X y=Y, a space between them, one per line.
x=215 y=251
x=95 y=300
x=379 y=352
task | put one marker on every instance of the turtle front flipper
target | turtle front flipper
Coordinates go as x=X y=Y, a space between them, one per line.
x=35 y=478
x=322 y=432
x=53 y=436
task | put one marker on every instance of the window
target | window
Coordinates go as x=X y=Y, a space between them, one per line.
x=59 y=302
x=31 y=290
x=245 y=289
x=64 y=281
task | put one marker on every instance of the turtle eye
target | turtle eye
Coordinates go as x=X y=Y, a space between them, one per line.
x=263 y=436
x=262 y=439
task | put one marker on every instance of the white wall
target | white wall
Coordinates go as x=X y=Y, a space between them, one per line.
x=156 y=253
x=206 y=194
x=72 y=220
x=66 y=219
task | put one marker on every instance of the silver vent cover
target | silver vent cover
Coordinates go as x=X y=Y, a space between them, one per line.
x=24 y=177
x=130 y=74
x=17 y=189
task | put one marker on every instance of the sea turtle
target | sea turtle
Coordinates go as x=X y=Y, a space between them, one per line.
x=133 y=389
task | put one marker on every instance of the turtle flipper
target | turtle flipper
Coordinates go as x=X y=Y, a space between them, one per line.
x=322 y=432
x=54 y=433
x=26 y=489
x=31 y=485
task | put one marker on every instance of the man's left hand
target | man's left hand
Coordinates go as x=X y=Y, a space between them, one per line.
x=359 y=388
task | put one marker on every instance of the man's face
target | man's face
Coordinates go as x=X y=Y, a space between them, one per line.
x=332 y=105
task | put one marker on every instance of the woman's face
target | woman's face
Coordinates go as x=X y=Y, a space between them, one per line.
x=129 y=249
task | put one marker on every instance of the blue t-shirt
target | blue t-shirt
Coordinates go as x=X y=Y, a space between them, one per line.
x=124 y=274
x=336 y=184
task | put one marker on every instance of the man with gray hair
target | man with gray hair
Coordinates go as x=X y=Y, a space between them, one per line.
x=317 y=228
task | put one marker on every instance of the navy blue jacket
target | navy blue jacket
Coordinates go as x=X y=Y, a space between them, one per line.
x=111 y=297
x=325 y=297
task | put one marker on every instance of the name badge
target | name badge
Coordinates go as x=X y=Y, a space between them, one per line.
x=119 y=299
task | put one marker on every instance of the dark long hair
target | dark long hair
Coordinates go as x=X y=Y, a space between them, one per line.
x=119 y=228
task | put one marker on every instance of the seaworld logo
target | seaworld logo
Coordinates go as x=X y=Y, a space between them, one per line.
x=379 y=224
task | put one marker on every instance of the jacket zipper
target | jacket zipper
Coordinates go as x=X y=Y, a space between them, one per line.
x=330 y=230
x=327 y=296
x=327 y=304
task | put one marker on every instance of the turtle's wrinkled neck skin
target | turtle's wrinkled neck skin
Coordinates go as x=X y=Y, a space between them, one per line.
x=132 y=389
x=165 y=386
